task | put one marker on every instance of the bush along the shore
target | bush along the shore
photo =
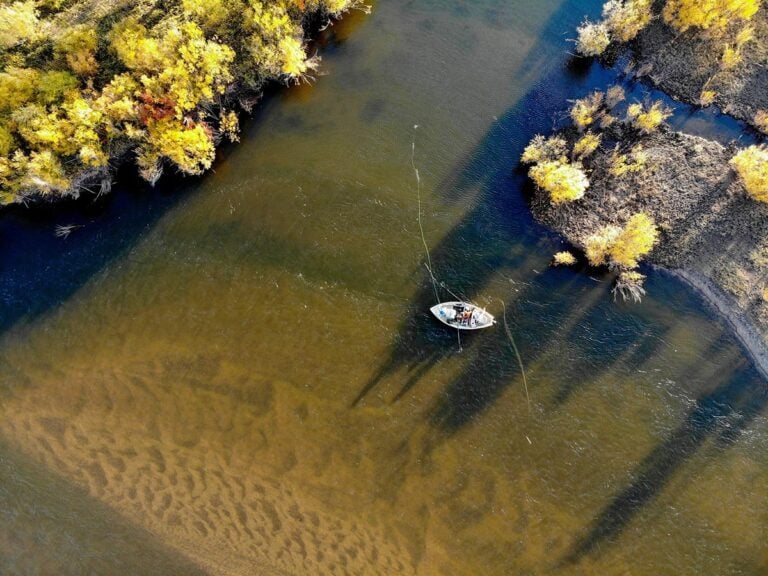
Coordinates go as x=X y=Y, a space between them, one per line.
x=82 y=86
x=597 y=125
x=751 y=164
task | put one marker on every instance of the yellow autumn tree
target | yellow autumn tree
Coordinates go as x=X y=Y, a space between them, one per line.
x=78 y=46
x=18 y=23
x=594 y=38
x=636 y=239
x=542 y=148
x=622 y=247
x=564 y=181
x=161 y=79
x=190 y=148
x=712 y=15
x=648 y=119
x=564 y=258
x=751 y=164
x=626 y=18
x=585 y=111
x=586 y=145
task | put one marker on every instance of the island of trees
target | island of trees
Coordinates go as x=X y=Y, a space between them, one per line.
x=85 y=84
x=621 y=186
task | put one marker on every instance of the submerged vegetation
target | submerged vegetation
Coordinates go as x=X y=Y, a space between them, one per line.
x=84 y=83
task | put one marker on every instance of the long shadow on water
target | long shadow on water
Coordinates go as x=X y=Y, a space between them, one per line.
x=721 y=415
x=497 y=232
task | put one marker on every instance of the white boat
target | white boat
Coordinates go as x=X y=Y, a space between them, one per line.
x=462 y=315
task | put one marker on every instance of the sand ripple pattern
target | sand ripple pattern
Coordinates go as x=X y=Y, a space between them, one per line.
x=208 y=459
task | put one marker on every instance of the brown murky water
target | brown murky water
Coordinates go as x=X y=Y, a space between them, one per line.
x=249 y=383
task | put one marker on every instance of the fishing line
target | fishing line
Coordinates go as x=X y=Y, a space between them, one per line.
x=421 y=227
x=428 y=263
x=519 y=359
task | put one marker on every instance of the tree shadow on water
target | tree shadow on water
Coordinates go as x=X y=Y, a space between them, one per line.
x=562 y=333
x=497 y=232
x=40 y=271
x=721 y=415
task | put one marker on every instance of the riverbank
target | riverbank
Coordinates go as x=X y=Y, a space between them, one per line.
x=85 y=86
x=712 y=235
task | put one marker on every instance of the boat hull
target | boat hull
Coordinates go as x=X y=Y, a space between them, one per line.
x=462 y=315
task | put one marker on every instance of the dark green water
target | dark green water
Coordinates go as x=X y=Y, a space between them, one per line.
x=238 y=375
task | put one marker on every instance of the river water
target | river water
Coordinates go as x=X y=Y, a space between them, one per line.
x=238 y=374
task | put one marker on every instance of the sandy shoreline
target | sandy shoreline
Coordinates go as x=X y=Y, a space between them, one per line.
x=743 y=328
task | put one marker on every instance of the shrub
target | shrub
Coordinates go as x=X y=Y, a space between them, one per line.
x=189 y=148
x=18 y=22
x=564 y=258
x=625 y=18
x=78 y=46
x=563 y=181
x=541 y=148
x=751 y=164
x=712 y=15
x=45 y=173
x=622 y=164
x=731 y=57
x=761 y=120
x=585 y=110
x=593 y=38
x=597 y=245
x=635 y=240
x=648 y=119
x=586 y=145
x=622 y=247
x=707 y=97
x=229 y=125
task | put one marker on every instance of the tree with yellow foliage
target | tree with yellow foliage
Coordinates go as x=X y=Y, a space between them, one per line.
x=712 y=15
x=18 y=23
x=564 y=181
x=78 y=46
x=622 y=247
x=751 y=164
x=586 y=145
x=563 y=258
x=190 y=148
x=594 y=38
x=620 y=164
x=585 y=111
x=648 y=119
x=163 y=82
x=626 y=18
x=541 y=148
x=636 y=239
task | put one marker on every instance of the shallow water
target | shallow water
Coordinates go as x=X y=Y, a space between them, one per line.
x=239 y=375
